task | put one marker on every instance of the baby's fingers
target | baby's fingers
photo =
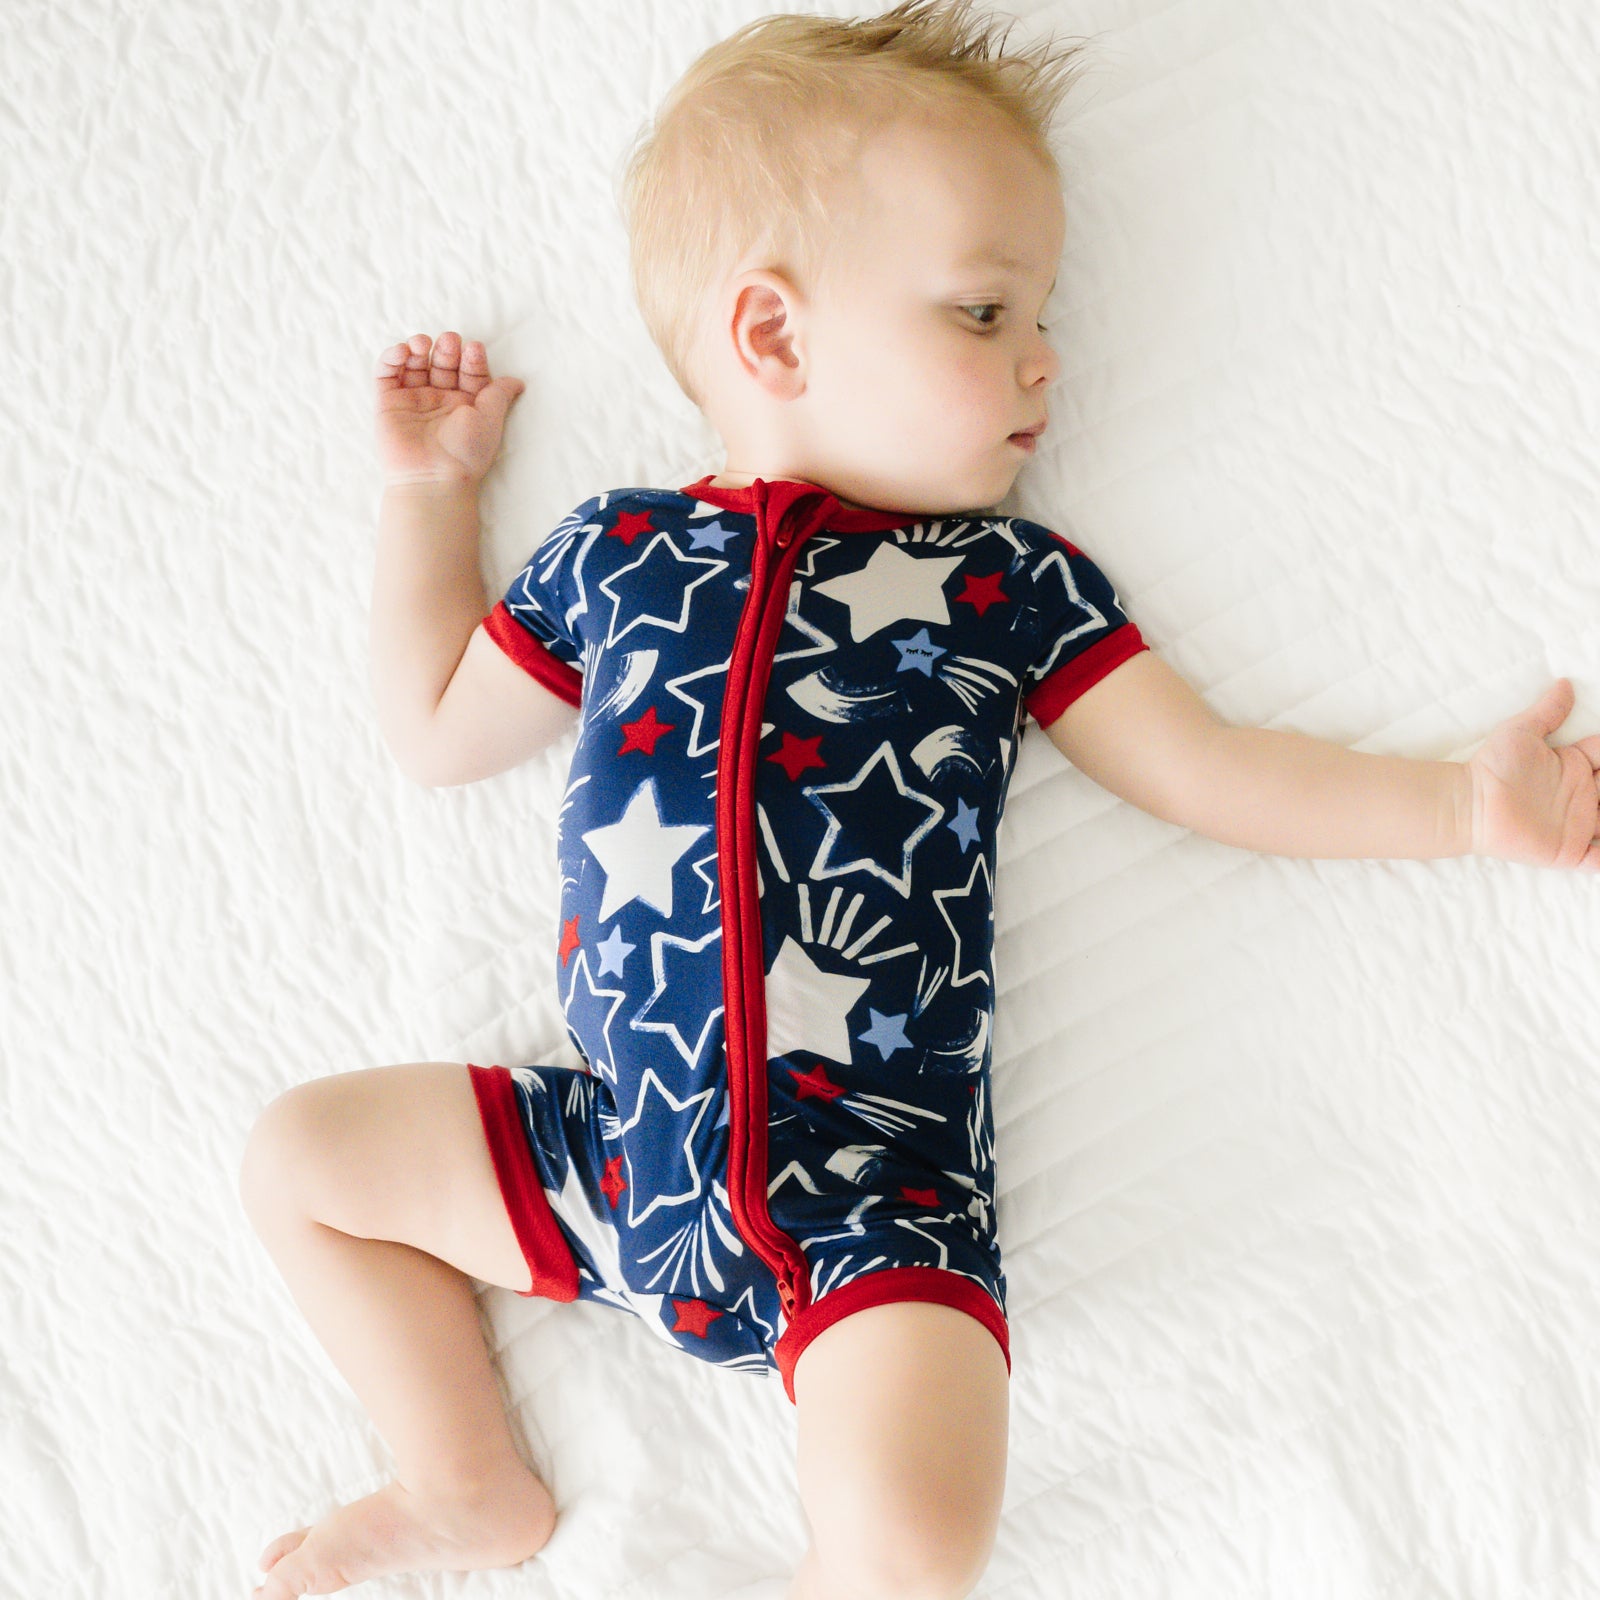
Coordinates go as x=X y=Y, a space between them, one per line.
x=391 y=363
x=405 y=366
x=474 y=366
x=446 y=362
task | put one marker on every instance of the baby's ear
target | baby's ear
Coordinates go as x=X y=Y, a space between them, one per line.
x=763 y=332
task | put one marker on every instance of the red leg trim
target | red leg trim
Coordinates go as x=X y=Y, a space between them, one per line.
x=885 y=1287
x=554 y=1269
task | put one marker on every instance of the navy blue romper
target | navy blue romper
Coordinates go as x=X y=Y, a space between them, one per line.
x=798 y=721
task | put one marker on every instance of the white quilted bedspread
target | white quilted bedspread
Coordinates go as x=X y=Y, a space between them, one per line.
x=1297 y=1195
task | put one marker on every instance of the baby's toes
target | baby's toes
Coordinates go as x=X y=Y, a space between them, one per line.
x=293 y=1574
x=280 y=1547
x=271 y=1557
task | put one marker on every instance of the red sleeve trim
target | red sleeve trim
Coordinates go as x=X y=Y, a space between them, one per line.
x=549 y=1257
x=1051 y=697
x=533 y=656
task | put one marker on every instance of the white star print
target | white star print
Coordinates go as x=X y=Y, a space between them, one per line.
x=642 y=617
x=709 y=879
x=673 y=1117
x=807 y=1007
x=703 y=744
x=604 y=1069
x=547 y=559
x=1093 y=617
x=638 y=854
x=885 y=754
x=714 y=735
x=893 y=587
x=980 y=863
x=689 y=1052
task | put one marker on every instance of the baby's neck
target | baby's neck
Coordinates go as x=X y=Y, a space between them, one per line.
x=744 y=480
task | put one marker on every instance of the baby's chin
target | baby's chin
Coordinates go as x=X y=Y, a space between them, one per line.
x=982 y=488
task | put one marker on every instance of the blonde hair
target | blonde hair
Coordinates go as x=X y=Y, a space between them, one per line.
x=754 y=143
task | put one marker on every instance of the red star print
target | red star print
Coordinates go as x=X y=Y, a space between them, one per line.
x=694 y=1316
x=928 y=1198
x=642 y=735
x=569 y=940
x=983 y=592
x=613 y=1183
x=815 y=1082
x=798 y=754
x=629 y=525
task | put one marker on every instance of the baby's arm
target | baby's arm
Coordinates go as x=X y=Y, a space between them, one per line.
x=1145 y=735
x=452 y=706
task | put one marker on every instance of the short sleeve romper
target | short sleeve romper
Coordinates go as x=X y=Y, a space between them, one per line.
x=777 y=844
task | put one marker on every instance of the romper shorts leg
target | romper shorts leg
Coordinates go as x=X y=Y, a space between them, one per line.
x=570 y=1190
x=878 y=1226
x=543 y=1126
x=891 y=1286
x=966 y=1280
x=544 y=1248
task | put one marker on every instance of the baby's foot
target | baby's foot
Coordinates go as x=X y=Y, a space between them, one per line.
x=395 y=1530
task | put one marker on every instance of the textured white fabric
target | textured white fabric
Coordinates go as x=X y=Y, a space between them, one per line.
x=1296 y=1187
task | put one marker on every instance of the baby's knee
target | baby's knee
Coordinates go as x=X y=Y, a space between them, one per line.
x=288 y=1140
x=906 y=1552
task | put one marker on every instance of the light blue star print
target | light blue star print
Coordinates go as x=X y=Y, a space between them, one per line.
x=918 y=653
x=712 y=533
x=887 y=1033
x=613 y=952
x=964 y=825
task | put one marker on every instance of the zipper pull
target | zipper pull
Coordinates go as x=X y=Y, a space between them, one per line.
x=791 y=520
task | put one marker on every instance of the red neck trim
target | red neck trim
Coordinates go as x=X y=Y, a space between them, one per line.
x=839 y=518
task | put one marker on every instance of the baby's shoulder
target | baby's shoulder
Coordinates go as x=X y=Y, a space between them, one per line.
x=1029 y=540
x=626 y=513
x=635 y=497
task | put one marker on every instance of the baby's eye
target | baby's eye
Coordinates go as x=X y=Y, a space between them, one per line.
x=991 y=322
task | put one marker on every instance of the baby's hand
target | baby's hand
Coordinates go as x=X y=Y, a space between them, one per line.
x=439 y=421
x=1532 y=803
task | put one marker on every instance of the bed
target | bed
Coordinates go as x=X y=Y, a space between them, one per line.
x=1297 y=1192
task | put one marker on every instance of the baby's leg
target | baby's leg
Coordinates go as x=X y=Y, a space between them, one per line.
x=376 y=1195
x=904 y=1412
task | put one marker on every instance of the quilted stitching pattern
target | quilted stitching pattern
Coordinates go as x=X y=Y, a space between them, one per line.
x=1296 y=1179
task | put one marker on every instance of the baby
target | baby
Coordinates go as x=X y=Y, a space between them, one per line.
x=799 y=687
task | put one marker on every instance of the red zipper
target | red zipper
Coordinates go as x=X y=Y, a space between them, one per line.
x=743 y=955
